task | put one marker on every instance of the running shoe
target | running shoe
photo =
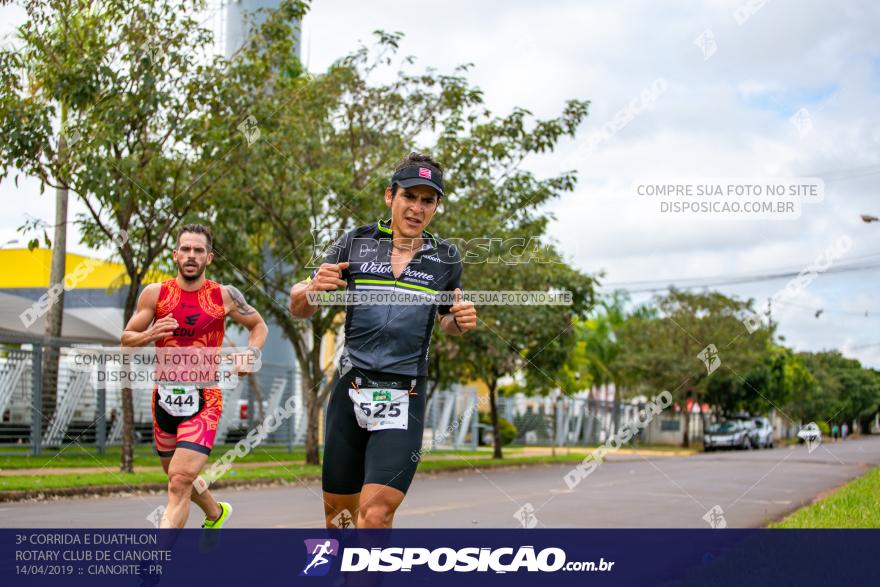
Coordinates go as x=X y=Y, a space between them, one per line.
x=225 y=513
x=210 y=540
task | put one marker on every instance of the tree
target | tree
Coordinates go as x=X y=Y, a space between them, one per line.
x=599 y=333
x=843 y=390
x=532 y=339
x=594 y=358
x=662 y=350
x=318 y=167
x=771 y=383
x=143 y=85
x=326 y=146
x=495 y=202
x=46 y=78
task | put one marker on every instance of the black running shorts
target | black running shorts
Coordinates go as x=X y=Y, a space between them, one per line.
x=353 y=455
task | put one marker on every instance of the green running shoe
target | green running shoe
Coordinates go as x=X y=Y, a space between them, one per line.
x=225 y=513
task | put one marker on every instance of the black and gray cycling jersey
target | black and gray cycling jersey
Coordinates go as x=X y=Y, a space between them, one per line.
x=392 y=338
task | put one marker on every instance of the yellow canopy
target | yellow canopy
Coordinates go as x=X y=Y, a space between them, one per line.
x=30 y=269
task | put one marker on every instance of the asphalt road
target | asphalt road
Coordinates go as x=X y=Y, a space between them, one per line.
x=751 y=488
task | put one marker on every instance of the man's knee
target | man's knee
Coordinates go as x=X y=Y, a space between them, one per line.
x=180 y=483
x=333 y=507
x=340 y=509
x=376 y=515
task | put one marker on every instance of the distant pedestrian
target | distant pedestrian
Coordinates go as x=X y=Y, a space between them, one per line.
x=834 y=432
x=844 y=430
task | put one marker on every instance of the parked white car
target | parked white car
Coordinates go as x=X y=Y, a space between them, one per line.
x=810 y=433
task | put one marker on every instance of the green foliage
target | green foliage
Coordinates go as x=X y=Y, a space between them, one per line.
x=157 y=131
x=327 y=144
x=506 y=429
x=118 y=102
x=660 y=350
x=771 y=381
x=842 y=390
x=141 y=90
x=656 y=347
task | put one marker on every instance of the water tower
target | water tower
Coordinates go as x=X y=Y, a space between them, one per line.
x=239 y=16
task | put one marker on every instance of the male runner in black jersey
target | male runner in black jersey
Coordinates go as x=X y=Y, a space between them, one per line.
x=375 y=417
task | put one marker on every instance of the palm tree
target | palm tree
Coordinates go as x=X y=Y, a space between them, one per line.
x=598 y=341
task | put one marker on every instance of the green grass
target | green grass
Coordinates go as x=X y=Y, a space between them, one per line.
x=84 y=456
x=483 y=462
x=290 y=472
x=79 y=456
x=855 y=505
x=144 y=456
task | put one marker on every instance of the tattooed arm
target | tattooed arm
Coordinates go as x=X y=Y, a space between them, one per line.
x=239 y=310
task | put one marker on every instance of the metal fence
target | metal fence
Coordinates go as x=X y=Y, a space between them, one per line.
x=554 y=420
x=452 y=419
x=90 y=414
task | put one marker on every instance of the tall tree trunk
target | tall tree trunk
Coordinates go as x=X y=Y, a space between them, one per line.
x=433 y=379
x=591 y=417
x=54 y=318
x=257 y=394
x=126 y=457
x=313 y=411
x=615 y=414
x=704 y=420
x=313 y=393
x=496 y=434
x=686 y=440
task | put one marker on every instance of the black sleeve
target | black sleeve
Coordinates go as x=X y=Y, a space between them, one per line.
x=454 y=281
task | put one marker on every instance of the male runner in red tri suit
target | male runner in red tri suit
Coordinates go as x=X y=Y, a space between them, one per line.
x=189 y=311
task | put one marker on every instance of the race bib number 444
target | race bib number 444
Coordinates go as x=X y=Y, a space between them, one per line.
x=179 y=400
x=380 y=409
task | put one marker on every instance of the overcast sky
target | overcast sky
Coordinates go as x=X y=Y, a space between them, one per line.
x=786 y=91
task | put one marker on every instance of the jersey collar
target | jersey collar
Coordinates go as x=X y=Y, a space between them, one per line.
x=384 y=228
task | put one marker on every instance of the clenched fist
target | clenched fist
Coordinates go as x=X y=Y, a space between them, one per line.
x=464 y=313
x=162 y=328
x=328 y=277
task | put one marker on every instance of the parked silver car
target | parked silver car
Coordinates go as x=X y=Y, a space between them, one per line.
x=728 y=434
x=751 y=431
x=763 y=434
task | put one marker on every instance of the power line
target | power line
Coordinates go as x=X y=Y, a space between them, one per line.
x=851 y=173
x=864 y=314
x=663 y=285
x=761 y=273
x=862 y=346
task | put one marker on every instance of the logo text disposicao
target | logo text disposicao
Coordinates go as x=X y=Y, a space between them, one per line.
x=499 y=560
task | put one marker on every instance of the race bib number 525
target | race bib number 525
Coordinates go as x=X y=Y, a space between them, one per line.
x=380 y=409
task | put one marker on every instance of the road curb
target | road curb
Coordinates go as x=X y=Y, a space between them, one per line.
x=152 y=488
x=143 y=489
